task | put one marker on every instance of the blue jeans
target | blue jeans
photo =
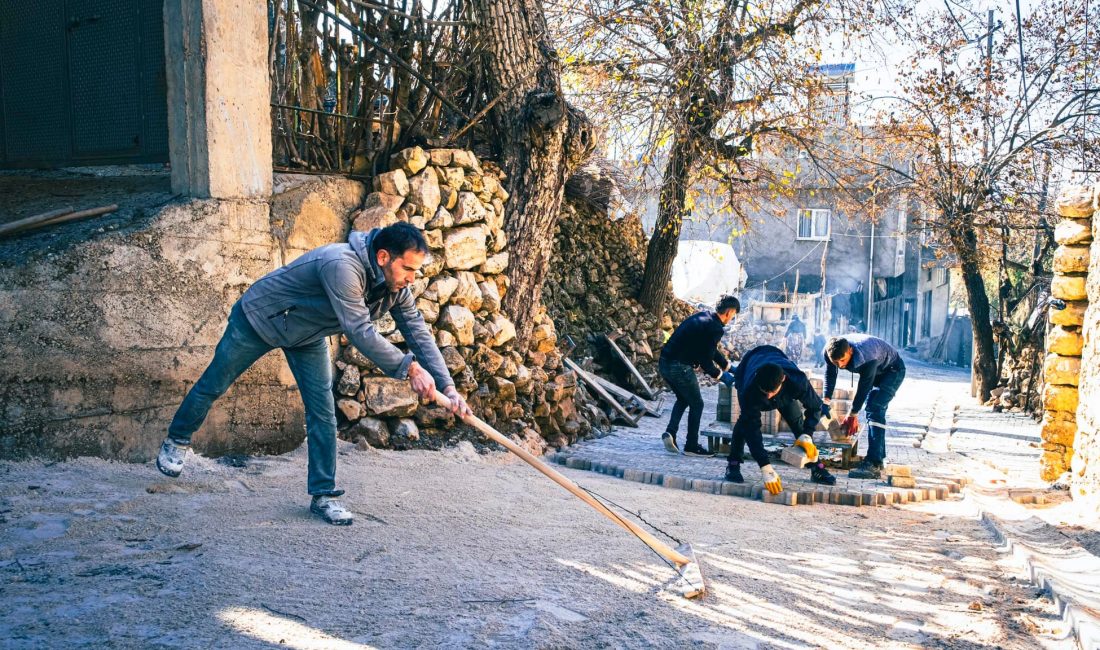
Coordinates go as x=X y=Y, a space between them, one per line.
x=885 y=387
x=311 y=365
x=681 y=378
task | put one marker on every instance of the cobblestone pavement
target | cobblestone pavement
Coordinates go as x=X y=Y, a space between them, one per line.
x=922 y=433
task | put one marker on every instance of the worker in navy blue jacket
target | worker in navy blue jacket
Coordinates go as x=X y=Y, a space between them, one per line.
x=766 y=379
x=693 y=345
x=881 y=372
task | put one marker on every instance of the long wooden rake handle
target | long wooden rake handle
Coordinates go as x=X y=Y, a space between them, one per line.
x=667 y=552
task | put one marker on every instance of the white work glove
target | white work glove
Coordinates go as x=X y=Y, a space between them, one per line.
x=807 y=444
x=771 y=479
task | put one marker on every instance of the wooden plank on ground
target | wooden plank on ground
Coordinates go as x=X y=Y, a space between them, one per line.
x=600 y=392
x=647 y=391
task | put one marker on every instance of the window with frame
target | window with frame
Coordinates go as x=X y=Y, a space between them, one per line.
x=814 y=223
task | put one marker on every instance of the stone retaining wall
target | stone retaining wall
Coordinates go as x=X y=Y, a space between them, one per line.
x=1077 y=265
x=1062 y=365
x=102 y=335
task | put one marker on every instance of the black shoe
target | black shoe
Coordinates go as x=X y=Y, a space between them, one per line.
x=697 y=450
x=866 y=470
x=733 y=474
x=669 y=441
x=818 y=474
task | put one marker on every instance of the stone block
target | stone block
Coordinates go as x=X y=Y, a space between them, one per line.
x=352 y=409
x=373 y=217
x=1068 y=287
x=458 y=320
x=410 y=160
x=387 y=397
x=1076 y=201
x=375 y=431
x=1069 y=232
x=901 y=481
x=897 y=470
x=794 y=456
x=1073 y=315
x=1060 y=398
x=1061 y=370
x=1067 y=342
x=403 y=432
x=395 y=183
x=424 y=193
x=497 y=263
x=469 y=209
x=348 y=384
x=1071 y=259
x=1059 y=433
x=464 y=248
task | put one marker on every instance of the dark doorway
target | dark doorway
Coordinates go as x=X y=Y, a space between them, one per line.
x=82 y=82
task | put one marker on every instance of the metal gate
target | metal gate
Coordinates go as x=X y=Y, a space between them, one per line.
x=82 y=82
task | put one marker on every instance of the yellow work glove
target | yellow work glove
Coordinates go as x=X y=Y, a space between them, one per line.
x=771 y=479
x=807 y=443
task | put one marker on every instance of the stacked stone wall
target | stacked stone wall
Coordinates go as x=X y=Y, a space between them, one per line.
x=1066 y=338
x=592 y=288
x=459 y=204
x=1077 y=230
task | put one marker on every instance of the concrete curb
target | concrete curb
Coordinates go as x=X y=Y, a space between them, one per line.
x=755 y=491
x=1055 y=563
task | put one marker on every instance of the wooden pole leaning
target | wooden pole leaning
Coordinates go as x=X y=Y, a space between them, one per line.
x=691 y=582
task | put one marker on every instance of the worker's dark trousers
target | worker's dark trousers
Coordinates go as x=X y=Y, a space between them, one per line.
x=681 y=378
x=886 y=386
x=311 y=365
x=792 y=412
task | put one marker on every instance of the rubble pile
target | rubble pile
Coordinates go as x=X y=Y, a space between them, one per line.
x=592 y=285
x=527 y=393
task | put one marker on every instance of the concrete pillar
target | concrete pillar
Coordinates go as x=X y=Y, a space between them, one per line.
x=219 y=116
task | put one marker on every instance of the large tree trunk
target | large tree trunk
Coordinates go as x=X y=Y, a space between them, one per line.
x=538 y=141
x=965 y=242
x=664 y=242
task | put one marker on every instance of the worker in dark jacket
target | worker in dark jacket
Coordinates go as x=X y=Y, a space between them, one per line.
x=331 y=289
x=766 y=379
x=796 y=339
x=693 y=345
x=881 y=372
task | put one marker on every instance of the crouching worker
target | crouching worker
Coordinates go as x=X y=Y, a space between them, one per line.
x=881 y=372
x=693 y=345
x=766 y=379
x=331 y=289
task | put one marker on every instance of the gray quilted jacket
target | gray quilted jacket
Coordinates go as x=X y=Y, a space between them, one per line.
x=340 y=288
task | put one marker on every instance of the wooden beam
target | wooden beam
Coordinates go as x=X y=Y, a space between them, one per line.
x=600 y=392
x=647 y=391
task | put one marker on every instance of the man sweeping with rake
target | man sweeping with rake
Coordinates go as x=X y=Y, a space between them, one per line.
x=331 y=289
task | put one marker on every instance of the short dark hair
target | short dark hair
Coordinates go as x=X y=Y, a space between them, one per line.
x=769 y=377
x=397 y=238
x=728 y=302
x=837 y=347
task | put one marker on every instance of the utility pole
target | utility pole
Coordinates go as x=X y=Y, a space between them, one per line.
x=988 y=83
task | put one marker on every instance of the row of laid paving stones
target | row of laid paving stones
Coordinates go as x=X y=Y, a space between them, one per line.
x=638 y=455
x=853 y=492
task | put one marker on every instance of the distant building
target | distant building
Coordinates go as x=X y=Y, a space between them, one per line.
x=818 y=253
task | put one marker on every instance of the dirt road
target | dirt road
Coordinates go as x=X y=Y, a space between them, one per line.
x=458 y=550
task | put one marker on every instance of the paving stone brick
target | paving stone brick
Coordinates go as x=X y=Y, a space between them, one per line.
x=901 y=481
x=897 y=470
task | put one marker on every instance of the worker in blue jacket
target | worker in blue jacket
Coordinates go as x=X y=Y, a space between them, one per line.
x=881 y=372
x=766 y=379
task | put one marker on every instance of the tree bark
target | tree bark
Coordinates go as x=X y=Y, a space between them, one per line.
x=664 y=242
x=539 y=140
x=965 y=242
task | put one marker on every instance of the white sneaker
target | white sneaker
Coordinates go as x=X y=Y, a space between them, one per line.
x=331 y=510
x=171 y=457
